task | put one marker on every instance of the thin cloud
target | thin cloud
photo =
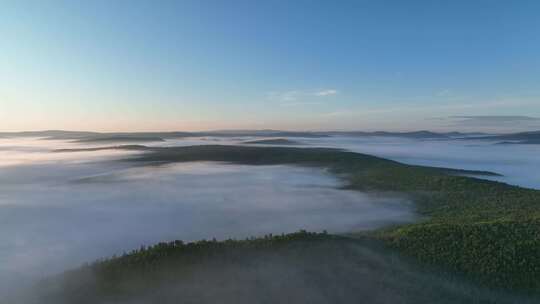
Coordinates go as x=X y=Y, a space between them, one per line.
x=444 y=93
x=283 y=96
x=301 y=103
x=495 y=122
x=419 y=108
x=326 y=92
x=298 y=97
x=496 y=118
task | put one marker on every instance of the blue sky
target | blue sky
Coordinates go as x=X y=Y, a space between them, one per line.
x=198 y=65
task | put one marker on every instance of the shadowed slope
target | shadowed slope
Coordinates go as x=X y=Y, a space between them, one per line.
x=296 y=268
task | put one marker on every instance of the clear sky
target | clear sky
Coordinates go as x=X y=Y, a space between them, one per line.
x=199 y=65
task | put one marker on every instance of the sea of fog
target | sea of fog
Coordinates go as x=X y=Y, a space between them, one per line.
x=59 y=210
x=518 y=164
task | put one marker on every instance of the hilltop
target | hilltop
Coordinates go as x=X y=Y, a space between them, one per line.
x=273 y=141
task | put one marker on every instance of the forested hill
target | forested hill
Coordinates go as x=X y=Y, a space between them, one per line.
x=301 y=267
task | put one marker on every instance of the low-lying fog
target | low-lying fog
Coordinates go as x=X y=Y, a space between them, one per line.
x=58 y=210
x=519 y=164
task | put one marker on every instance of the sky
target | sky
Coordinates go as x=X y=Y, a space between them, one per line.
x=298 y=65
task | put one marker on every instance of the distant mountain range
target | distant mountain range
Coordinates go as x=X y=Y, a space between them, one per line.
x=523 y=138
x=532 y=137
x=273 y=141
x=119 y=138
x=57 y=134
x=423 y=134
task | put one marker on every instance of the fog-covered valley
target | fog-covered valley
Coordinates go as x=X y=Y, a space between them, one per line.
x=61 y=209
x=518 y=164
x=58 y=210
